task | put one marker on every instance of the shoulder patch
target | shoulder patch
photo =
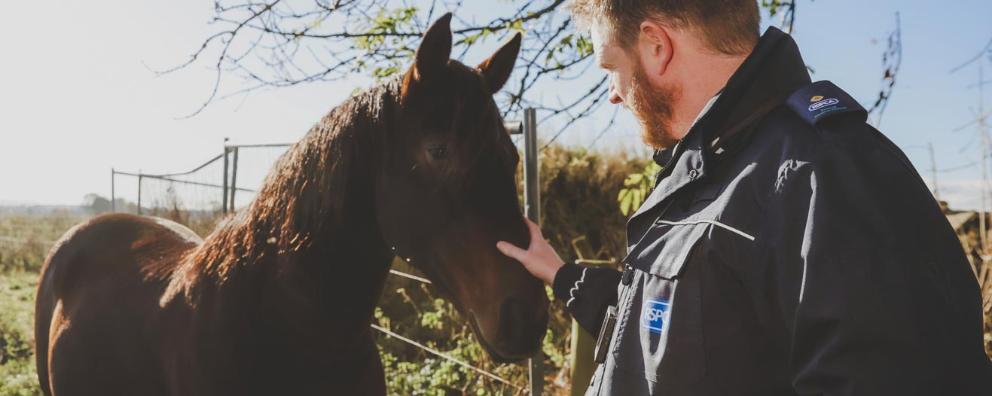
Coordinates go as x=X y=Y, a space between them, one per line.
x=821 y=100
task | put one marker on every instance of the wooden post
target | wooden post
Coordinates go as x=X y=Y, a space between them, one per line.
x=532 y=208
x=583 y=365
x=583 y=343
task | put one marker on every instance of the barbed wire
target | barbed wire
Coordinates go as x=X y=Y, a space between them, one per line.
x=435 y=351
x=409 y=276
x=447 y=357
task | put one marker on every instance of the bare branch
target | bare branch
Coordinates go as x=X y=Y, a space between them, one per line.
x=891 y=60
x=276 y=44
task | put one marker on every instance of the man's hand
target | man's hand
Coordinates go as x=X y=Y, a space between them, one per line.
x=539 y=259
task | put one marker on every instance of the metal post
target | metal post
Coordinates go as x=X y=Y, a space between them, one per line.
x=983 y=161
x=139 y=192
x=113 y=192
x=532 y=193
x=532 y=208
x=933 y=168
x=223 y=201
x=234 y=176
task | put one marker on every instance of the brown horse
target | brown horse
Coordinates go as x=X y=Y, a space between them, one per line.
x=279 y=298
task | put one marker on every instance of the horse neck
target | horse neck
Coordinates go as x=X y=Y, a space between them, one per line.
x=308 y=250
x=334 y=277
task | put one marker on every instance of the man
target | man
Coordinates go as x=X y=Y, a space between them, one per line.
x=788 y=249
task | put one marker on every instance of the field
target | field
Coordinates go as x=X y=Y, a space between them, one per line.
x=17 y=372
x=24 y=241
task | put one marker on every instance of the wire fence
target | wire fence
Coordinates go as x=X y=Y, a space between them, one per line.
x=219 y=185
x=435 y=352
x=24 y=241
x=449 y=358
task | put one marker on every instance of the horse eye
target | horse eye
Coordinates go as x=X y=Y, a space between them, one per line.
x=438 y=151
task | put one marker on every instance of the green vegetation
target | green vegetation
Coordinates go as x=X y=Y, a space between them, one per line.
x=24 y=243
x=17 y=371
x=636 y=188
x=26 y=238
x=413 y=310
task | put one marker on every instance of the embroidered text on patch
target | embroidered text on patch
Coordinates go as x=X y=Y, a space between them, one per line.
x=654 y=314
x=823 y=103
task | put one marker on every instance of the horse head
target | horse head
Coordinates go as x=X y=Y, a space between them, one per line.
x=446 y=192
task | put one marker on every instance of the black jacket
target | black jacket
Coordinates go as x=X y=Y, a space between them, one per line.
x=788 y=249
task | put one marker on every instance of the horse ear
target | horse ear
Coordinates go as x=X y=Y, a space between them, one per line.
x=434 y=50
x=496 y=70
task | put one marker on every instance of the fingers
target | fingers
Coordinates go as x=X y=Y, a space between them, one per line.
x=512 y=251
x=535 y=230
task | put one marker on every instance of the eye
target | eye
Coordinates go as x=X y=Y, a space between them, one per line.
x=438 y=151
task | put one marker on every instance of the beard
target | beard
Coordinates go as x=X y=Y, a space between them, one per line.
x=653 y=108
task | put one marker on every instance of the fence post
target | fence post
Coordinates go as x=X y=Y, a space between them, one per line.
x=583 y=343
x=139 y=191
x=532 y=208
x=223 y=201
x=113 y=191
x=234 y=176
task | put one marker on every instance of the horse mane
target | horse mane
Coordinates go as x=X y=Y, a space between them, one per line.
x=302 y=196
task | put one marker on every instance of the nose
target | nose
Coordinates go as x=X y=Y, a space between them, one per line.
x=615 y=96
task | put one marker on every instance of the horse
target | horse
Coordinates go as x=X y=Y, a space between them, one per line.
x=279 y=298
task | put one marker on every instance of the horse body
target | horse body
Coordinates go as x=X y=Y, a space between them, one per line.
x=257 y=332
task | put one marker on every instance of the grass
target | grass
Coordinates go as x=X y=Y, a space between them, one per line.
x=17 y=370
x=24 y=243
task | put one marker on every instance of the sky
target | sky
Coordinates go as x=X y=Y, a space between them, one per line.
x=78 y=95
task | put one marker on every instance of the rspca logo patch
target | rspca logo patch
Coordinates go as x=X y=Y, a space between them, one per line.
x=822 y=100
x=823 y=103
x=654 y=314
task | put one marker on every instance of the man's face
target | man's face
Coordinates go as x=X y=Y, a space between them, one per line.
x=631 y=87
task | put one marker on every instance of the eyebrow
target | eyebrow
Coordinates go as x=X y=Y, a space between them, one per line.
x=601 y=59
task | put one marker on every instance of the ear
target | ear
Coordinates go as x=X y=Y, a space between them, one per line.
x=435 y=50
x=655 y=48
x=496 y=70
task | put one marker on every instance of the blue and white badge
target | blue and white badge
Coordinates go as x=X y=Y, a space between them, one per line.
x=822 y=100
x=818 y=102
x=654 y=314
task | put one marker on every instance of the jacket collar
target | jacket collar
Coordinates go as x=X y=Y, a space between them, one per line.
x=772 y=71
